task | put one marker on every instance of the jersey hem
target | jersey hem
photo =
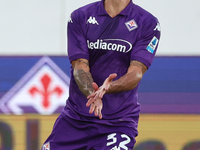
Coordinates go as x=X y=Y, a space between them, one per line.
x=147 y=64
x=71 y=58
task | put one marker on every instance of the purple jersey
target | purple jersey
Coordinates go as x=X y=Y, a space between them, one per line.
x=110 y=44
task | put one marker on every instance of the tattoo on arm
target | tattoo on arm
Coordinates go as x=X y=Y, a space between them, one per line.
x=139 y=64
x=81 y=60
x=84 y=79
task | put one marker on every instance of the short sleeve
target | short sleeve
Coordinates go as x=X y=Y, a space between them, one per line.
x=77 y=45
x=145 y=48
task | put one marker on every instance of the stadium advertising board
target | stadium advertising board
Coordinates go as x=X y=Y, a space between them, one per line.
x=156 y=132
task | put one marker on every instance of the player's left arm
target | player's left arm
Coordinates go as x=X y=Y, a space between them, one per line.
x=130 y=80
x=127 y=82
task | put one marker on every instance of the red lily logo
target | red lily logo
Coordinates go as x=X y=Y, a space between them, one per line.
x=44 y=89
x=46 y=92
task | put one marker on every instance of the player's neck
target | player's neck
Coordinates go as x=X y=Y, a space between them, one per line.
x=114 y=7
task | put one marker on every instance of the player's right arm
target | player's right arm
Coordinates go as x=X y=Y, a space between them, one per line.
x=86 y=84
x=127 y=82
x=83 y=76
x=78 y=55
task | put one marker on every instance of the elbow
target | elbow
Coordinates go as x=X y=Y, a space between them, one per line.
x=139 y=76
x=136 y=80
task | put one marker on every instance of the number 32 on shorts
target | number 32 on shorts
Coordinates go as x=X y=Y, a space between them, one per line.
x=113 y=139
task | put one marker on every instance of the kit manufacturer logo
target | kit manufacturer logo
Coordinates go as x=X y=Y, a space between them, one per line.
x=92 y=20
x=157 y=27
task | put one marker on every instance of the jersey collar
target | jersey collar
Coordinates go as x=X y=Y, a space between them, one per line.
x=125 y=12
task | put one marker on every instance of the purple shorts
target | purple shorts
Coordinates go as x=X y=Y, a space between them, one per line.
x=69 y=134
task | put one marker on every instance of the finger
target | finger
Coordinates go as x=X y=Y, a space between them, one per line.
x=91 y=95
x=90 y=101
x=112 y=76
x=96 y=96
x=100 y=115
x=96 y=112
x=102 y=94
x=92 y=107
x=107 y=87
x=95 y=86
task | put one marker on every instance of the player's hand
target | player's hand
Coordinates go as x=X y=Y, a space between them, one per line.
x=96 y=108
x=97 y=105
x=101 y=90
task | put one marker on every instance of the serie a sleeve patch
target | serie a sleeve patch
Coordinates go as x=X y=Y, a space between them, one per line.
x=152 y=45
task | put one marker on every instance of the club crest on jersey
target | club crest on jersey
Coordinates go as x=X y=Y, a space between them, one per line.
x=46 y=146
x=131 y=25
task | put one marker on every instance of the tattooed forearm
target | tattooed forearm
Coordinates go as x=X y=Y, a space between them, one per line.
x=84 y=81
x=139 y=64
x=82 y=61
